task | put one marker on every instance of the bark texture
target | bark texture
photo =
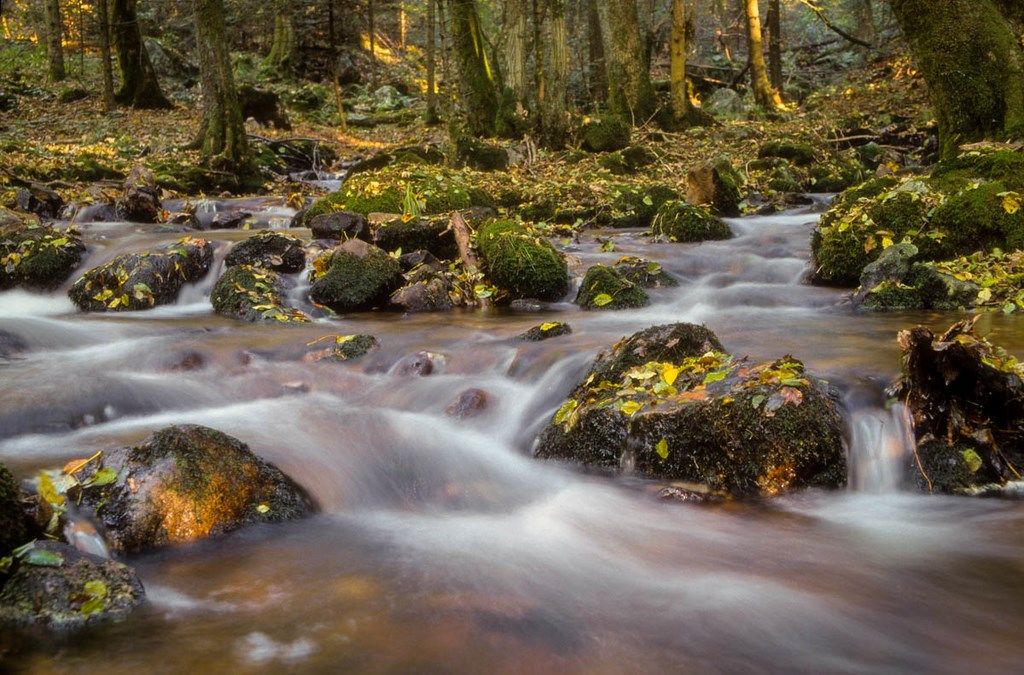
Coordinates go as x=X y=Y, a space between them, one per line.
x=222 y=139
x=54 y=36
x=477 y=89
x=139 y=86
x=630 y=92
x=764 y=94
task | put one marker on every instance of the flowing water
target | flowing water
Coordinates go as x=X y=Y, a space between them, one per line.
x=442 y=547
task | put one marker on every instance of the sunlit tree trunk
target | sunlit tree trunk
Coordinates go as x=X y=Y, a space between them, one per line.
x=684 y=114
x=630 y=93
x=973 y=63
x=478 y=93
x=103 y=19
x=139 y=86
x=775 y=45
x=552 y=96
x=764 y=94
x=222 y=139
x=282 y=50
x=431 y=115
x=54 y=37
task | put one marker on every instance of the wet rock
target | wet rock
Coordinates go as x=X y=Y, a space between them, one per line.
x=13 y=528
x=138 y=281
x=341 y=348
x=725 y=424
x=272 y=250
x=682 y=222
x=11 y=345
x=716 y=184
x=605 y=288
x=545 y=331
x=419 y=364
x=354 y=277
x=521 y=262
x=470 y=403
x=688 y=493
x=725 y=103
x=636 y=206
x=605 y=134
x=896 y=282
x=431 y=293
x=339 y=225
x=231 y=219
x=187 y=483
x=65 y=589
x=526 y=305
x=644 y=273
x=253 y=294
x=36 y=256
x=416 y=234
x=966 y=399
x=40 y=200
x=410 y=261
x=262 y=105
x=187 y=361
x=140 y=200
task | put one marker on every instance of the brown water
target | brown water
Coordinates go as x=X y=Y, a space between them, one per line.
x=442 y=547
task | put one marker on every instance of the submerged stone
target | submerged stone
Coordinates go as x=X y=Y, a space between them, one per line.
x=341 y=347
x=545 y=331
x=682 y=222
x=34 y=255
x=606 y=288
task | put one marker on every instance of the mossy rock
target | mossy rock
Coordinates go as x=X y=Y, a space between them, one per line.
x=1006 y=166
x=72 y=94
x=139 y=281
x=435 y=190
x=627 y=161
x=342 y=348
x=71 y=590
x=252 y=293
x=644 y=273
x=799 y=153
x=636 y=205
x=895 y=281
x=737 y=429
x=605 y=134
x=977 y=219
x=272 y=250
x=186 y=483
x=546 y=331
x=417 y=234
x=13 y=529
x=479 y=155
x=785 y=177
x=682 y=222
x=717 y=184
x=36 y=256
x=354 y=277
x=605 y=288
x=835 y=175
x=521 y=262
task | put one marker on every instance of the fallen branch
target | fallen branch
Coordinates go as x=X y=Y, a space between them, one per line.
x=811 y=4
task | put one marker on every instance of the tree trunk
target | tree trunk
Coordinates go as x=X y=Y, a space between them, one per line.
x=282 y=50
x=478 y=93
x=973 y=64
x=865 y=21
x=54 y=37
x=139 y=86
x=630 y=93
x=552 y=96
x=595 y=43
x=517 y=49
x=372 y=30
x=222 y=131
x=431 y=116
x=765 y=96
x=775 y=45
x=103 y=18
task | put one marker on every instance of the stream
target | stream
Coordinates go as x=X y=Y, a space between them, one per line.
x=443 y=547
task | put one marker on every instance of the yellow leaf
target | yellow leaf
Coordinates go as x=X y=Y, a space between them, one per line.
x=662 y=448
x=670 y=374
x=631 y=407
x=1011 y=202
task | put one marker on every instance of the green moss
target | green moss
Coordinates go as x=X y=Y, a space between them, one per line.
x=644 y=273
x=479 y=155
x=728 y=187
x=342 y=347
x=627 y=161
x=37 y=256
x=785 y=178
x=546 y=331
x=253 y=294
x=636 y=205
x=417 y=235
x=835 y=175
x=975 y=219
x=605 y=288
x=349 y=282
x=682 y=222
x=605 y=134
x=796 y=152
x=13 y=530
x=521 y=262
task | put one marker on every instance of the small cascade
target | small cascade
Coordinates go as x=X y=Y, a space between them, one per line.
x=881 y=444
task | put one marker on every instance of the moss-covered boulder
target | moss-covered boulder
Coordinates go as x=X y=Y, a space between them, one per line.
x=895 y=281
x=13 y=529
x=981 y=217
x=605 y=288
x=57 y=587
x=34 y=255
x=797 y=152
x=399 y=189
x=416 y=234
x=521 y=262
x=721 y=424
x=627 y=161
x=717 y=185
x=138 y=281
x=272 y=250
x=644 y=273
x=338 y=225
x=636 y=205
x=186 y=483
x=546 y=331
x=835 y=174
x=254 y=294
x=605 y=134
x=341 y=348
x=139 y=202
x=354 y=277
x=682 y=222
x=426 y=290
x=966 y=398
x=478 y=154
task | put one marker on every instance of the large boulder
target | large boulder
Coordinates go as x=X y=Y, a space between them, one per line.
x=353 y=277
x=40 y=200
x=416 y=234
x=272 y=250
x=186 y=483
x=138 y=281
x=34 y=255
x=606 y=288
x=966 y=399
x=521 y=262
x=636 y=205
x=13 y=529
x=605 y=134
x=682 y=222
x=253 y=294
x=55 y=586
x=339 y=225
x=705 y=418
x=725 y=103
x=139 y=202
x=715 y=184
x=896 y=282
